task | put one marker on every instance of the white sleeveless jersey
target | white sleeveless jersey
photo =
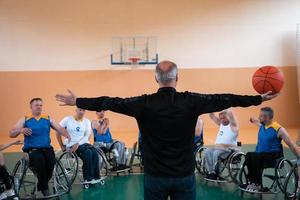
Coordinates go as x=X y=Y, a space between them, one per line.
x=226 y=136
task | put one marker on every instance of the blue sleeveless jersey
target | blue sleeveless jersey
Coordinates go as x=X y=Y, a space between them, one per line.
x=40 y=136
x=268 y=140
x=106 y=137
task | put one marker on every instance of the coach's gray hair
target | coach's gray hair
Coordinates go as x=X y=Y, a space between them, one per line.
x=167 y=76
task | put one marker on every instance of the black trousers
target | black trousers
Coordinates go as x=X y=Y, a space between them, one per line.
x=5 y=177
x=90 y=159
x=257 y=162
x=42 y=162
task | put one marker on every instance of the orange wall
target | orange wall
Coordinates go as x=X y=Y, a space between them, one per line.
x=17 y=88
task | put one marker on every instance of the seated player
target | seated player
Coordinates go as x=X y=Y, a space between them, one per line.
x=198 y=141
x=37 y=143
x=268 y=148
x=103 y=139
x=79 y=129
x=226 y=140
x=4 y=175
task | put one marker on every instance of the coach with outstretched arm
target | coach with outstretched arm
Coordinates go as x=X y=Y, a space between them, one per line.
x=167 y=121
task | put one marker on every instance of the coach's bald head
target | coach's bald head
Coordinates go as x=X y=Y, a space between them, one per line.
x=166 y=74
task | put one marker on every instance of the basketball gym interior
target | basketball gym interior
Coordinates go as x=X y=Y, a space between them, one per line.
x=49 y=46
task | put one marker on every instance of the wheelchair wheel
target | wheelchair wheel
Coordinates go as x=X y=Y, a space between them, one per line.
x=282 y=171
x=235 y=165
x=19 y=173
x=291 y=187
x=243 y=175
x=103 y=164
x=61 y=184
x=199 y=159
x=222 y=169
x=69 y=162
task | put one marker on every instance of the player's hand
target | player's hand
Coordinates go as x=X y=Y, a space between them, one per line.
x=26 y=131
x=253 y=120
x=269 y=96
x=74 y=147
x=18 y=142
x=67 y=100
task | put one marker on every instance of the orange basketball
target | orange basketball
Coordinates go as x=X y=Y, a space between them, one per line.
x=268 y=78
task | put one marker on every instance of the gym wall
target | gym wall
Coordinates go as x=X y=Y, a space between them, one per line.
x=17 y=88
x=217 y=46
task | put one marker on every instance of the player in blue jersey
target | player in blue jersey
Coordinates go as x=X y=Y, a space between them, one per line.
x=268 y=148
x=37 y=143
x=103 y=139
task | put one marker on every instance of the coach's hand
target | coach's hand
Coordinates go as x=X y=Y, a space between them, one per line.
x=268 y=96
x=67 y=100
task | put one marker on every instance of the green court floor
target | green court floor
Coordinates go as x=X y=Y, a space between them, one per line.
x=131 y=186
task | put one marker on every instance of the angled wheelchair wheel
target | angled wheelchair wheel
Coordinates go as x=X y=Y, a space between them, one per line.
x=103 y=164
x=236 y=162
x=70 y=164
x=19 y=174
x=199 y=159
x=282 y=171
x=243 y=176
x=291 y=187
x=61 y=184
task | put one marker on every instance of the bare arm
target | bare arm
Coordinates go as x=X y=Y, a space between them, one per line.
x=19 y=129
x=59 y=140
x=283 y=134
x=255 y=121
x=5 y=146
x=215 y=118
x=199 y=127
x=59 y=129
x=233 y=121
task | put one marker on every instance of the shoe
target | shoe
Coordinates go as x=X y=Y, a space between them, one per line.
x=10 y=193
x=3 y=195
x=220 y=178
x=253 y=187
x=46 y=193
x=212 y=176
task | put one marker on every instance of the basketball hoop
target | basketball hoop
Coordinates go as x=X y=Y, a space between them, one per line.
x=134 y=60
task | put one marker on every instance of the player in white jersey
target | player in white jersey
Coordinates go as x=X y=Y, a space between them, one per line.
x=79 y=129
x=226 y=139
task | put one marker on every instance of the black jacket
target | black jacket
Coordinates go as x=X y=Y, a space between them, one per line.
x=167 y=121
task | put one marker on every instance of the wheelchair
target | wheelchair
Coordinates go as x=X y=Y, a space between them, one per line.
x=227 y=168
x=111 y=158
x=273 y=176
x=136 y=153
x=291 y=188
x=72 y=166
x=26 y=184
x=2 y=189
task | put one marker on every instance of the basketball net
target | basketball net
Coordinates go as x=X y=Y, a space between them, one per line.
x=134 y=61
x=134 y=57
